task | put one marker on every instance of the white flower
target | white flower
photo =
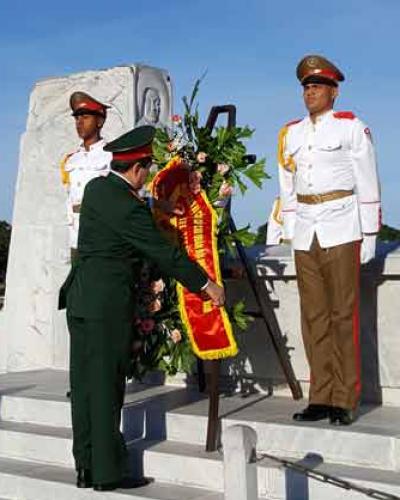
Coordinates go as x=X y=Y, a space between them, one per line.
x=157 y=286
x=176 y=336
x=223 y=168
x=225 y=190
x=201 y=157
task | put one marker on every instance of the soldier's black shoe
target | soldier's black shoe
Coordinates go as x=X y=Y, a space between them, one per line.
x=312 y=413
x=340 y=416
x=125 y=484
x=84 y=478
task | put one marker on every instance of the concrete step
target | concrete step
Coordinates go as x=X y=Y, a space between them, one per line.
x=184 y=469
x=184 y=464
x=38 y=443
x=31 y=481
x=159 y=414
x=372 y=441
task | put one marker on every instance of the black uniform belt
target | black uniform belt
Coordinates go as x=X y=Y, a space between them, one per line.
x=314 y=199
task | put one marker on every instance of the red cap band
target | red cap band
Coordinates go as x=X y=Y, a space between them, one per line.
x=323 y=72
x=133 y=154
x=91 y=106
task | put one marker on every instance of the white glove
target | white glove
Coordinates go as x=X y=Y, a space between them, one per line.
x=368 y=247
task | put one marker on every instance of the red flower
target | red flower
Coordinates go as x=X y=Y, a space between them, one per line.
x=147 y=325
x=176 y=118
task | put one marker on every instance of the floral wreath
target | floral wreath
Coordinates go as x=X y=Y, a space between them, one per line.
x=218 y=163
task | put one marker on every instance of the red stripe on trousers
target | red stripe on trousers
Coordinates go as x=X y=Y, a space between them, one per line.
x=356 y=321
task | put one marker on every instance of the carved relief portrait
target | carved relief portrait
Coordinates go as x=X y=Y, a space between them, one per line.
x=153 y=96
x=152 y=106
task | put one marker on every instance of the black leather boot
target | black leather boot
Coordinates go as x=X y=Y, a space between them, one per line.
x=125 y=483
x=312 y=413
x=84 y=478
x=341 y=416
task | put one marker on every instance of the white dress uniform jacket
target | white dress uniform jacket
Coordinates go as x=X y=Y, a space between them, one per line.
x=78 y=169
x=335 y=153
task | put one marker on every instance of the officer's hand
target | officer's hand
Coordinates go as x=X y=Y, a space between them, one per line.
x=168 y=207
x=216 y=293
x=368 y=246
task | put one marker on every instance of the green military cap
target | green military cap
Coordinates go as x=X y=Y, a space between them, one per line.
x=84 y=104
x=317 y=69
x=132 y=145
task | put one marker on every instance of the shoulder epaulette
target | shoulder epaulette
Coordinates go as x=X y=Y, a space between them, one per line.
x=286 y=162
x=293 y=122
x=64 y=173
x=344 y=115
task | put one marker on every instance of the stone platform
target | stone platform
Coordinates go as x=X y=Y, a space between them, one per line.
x=165 y=428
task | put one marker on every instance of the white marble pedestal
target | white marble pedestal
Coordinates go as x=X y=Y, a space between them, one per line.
x=33 y=333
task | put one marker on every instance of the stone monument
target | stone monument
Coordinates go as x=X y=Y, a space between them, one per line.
x=33 y=333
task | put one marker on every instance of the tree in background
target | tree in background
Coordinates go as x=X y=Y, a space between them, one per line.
x=388 y=233
x=261 y=235
x=5 y=235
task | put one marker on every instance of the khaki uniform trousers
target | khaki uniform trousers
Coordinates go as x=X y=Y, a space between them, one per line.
x=328 y=282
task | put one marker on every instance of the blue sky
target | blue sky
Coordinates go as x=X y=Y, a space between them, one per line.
x=249 y=48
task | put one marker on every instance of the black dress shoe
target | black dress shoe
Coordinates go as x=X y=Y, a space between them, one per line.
x=340 y=416
x=84 y=478
x=125 y=484
x=312 y=413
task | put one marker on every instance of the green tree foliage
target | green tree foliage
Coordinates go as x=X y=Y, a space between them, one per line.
x=5 y=235
x=261 y=235
x=388 y=233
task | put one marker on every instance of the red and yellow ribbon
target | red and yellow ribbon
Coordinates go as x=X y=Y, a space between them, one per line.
x=208 y=326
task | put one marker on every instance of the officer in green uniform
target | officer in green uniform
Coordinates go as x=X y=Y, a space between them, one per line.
x=116 y=232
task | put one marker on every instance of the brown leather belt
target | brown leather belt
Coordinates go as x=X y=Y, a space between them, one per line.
x=314 y=199
x=76 y=208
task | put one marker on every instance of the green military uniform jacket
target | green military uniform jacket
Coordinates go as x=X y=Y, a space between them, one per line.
x=116 y=232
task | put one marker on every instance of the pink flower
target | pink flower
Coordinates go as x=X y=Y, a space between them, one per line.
x=157 y=286
x=225 y=190
x=154 y=306
x=201 y=157
x=176 y=336
x=147 y=325
x=176 y=118
x=222 y=168
x=170 y=146
x=195 y=182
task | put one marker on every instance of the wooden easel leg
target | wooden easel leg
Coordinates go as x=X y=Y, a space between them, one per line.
x=213 y=405
x=201 y=376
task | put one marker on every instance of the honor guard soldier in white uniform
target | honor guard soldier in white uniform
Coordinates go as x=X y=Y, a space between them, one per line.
x=88 y=162
x=330 y=198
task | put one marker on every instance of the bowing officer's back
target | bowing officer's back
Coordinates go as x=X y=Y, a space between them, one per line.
x=116 y=232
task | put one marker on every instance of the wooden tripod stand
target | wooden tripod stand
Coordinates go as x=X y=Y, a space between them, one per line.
x=211 y=379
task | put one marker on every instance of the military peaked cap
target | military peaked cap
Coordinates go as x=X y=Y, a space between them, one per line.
x=84 y=104
x=132 y=145
x=317 y=69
